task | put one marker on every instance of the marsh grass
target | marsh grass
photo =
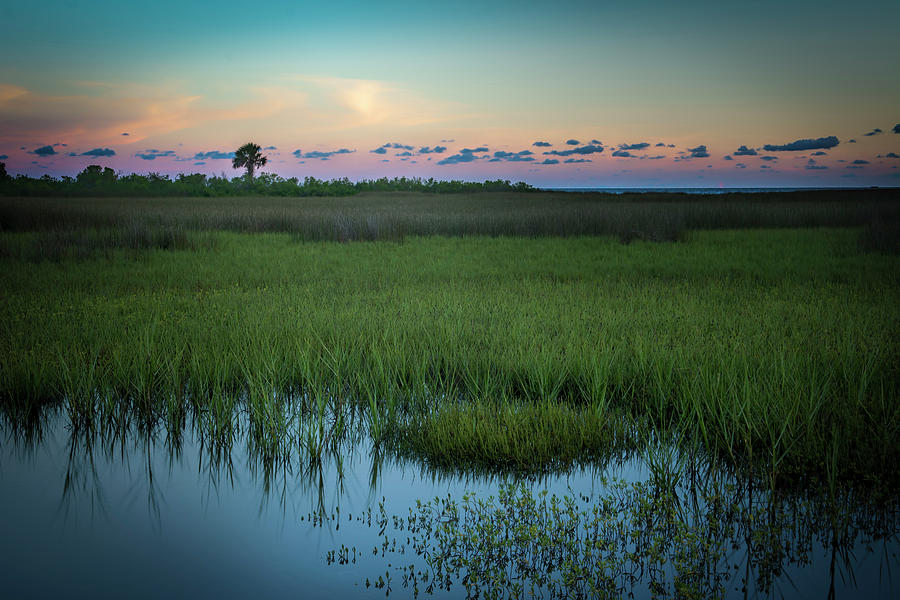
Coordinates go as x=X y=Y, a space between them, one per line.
x=394 y=216
x=772 y=349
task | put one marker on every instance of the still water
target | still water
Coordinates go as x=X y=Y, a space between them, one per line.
x=144 y=515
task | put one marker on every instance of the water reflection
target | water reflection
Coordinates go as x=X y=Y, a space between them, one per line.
x=244 y=518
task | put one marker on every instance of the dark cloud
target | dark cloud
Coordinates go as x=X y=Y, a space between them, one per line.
x=44 y=151
x=324 y=154
x=200 y=163
x=596 y=142
x=3 y=156
x=638 y=146
x=582 y=150
x=660 y=145
x=740 y=166
x=572 y=142
x=522 y=156
x=896 y=128
x=875 y=131
x=851 y=141
x=768 y=158
x=854 y=167
x=380 y=150
x=214 y=155
x=548 y=144
x=744 y=151
x=124 y=133
x=764 y=167
x=623 y=154
x=888 y=155
x=812 y=166
x=860 y=161
x=270 y=148
x=819 y=153
x=577 y=160
x=823 y=143
x=72 y=154
x=549 y=161
x=99 y=152
x=473 y=150
x=657 y=157
x=699 y=152
x=727 y=157
x=465 y=157
x=435 y=150
x=396 y=146
x=154 y=154
x=407 y=153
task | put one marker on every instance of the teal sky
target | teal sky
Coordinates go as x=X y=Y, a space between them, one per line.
x=187 y=78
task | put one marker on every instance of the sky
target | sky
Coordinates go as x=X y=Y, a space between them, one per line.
x=558 y=94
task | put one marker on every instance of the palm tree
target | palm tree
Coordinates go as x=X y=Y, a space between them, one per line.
x=248 y=156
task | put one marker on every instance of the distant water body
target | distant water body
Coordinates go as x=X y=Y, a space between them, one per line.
x=696 y=190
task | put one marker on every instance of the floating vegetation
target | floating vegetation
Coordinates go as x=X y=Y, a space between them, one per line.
x=710 y=536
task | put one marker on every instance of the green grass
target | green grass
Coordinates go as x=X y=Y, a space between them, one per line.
x=394 y=216
x=776 y=348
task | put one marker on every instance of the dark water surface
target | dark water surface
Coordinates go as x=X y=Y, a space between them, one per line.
x=138 y=516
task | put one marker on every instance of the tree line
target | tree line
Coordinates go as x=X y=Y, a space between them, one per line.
x=95 y=180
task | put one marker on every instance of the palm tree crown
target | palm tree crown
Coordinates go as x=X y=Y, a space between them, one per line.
x=248 y=156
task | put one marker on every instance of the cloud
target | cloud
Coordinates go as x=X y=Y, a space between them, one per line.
x=548 y=144
x=875 y=131
x=323 y=154
x=460 y=158
x=727 y=157
x=854 y=167
x=577 y=160
x=699 y=152
x=819 y=153
x=582 y=150
x=812 y=166
x=896 y=128
x=549 y=161
x=474 y=150
x=860 y=161
x=3 y=156
x=768 y=158
x=638 y=146
x=270 y=148
x=379 y=150
x=214 y=155
x=44 y=151
x=397 y=146
x=660 y=145
x=596 y=142
x=851 y=141
x=740 y=166
x=200 y=163
x=823 y=143
x=572 y=142
x=154 y=154
x=523 y=156
x=99 y=152
x=888 y=155
x=435 y=150
x=764 y=167
x=623 y=154
x=406 y=153
x=125 y=133
x=744 y=151
x=657 y=157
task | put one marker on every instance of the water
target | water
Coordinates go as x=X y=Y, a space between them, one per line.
x=696 y=190
x=142 y=515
